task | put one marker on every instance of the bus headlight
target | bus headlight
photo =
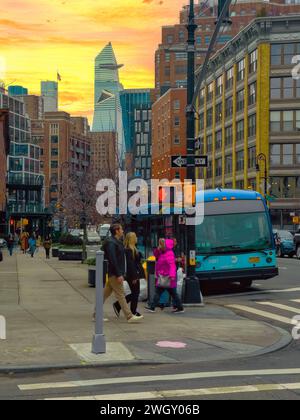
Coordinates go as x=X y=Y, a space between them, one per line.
x=269 y=260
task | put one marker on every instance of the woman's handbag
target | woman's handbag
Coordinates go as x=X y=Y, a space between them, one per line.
x=164 y=281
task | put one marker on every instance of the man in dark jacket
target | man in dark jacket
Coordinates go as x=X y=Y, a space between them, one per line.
x=114 y=253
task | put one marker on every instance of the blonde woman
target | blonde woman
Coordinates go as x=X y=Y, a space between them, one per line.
x=134 y=272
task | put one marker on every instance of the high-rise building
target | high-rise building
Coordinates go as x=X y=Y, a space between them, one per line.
x=34 y=106
x=104 y=161
x=168 y=133
x=250 y=104
x=4 y=150
x=108 y=112
x=17 y=91
x=66 y=148
x=171 y=55
x=25 y=180
x=49 y=92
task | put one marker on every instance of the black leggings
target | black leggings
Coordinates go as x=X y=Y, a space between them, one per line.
x=132 y=298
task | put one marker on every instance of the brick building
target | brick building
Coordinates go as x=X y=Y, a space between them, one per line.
x=168 y=133
x=170 y=56
x=104 y=161
x=66 y=147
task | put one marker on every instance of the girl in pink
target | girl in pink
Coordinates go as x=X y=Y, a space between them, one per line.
x=166 y=267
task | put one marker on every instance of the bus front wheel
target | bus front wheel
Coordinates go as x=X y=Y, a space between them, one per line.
x=245 y=284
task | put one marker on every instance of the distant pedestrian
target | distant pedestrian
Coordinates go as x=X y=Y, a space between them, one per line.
x=115 y=255
x=24 y=241
x=47 y=245
x=38 y=243
x=165 y=275
x=32 y=245
x=10 y=244
x=134 y=272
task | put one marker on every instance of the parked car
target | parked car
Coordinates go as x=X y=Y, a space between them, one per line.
x=104 y=231
x=76 y=232
x=285 y=244
x=2 y=243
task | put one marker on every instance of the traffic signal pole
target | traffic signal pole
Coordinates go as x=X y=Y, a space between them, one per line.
x=192 y=287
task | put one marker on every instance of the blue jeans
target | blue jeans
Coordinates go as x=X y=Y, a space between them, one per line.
x=173 y=293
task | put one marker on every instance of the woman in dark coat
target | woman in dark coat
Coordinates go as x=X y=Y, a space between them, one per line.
x=134 y=272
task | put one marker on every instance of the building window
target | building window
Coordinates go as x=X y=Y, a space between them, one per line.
x=219 y=89
x=201 y=122
x=228 y=136
x=167 y=71
x=180 y=56
x=54 y=129
x=275 y=121
x=275 y=88
x=241 y=70
x=229 y=78
x=252 y=94
x=240 y=161
x=54 y=164
x=252 y=158
x=219 y=140
x=181 y=36
x=219 y=167
x=228 y=165
x=275 y=154
x=201 y=97
x=252 y=125
x=282 y=54
x=288 y=120
x=209 y=117
x=209 y=143
x=177 y=121
x=137 y=115
x=210 y=90
x=253 y=62
x=176 y=104
x=240 y=100
x=170 y=39
x=167 y=57
x=177 y=139
x=288 y=154
x=198 y=40
x=54 y=139
x=285 y=154
x=285 y=187
x=54 y=152
x=229 y=107
x=240 y=131
x=219 y=112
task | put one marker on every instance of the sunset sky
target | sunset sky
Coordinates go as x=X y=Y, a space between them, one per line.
x=39 y=37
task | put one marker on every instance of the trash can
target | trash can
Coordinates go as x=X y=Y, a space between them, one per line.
x=151 y=278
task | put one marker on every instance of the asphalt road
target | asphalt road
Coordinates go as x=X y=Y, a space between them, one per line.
x=273 y=376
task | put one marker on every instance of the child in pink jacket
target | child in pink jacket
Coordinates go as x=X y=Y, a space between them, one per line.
x=165 y=266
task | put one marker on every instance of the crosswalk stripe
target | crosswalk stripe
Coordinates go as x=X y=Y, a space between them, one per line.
x=264 y=314
x=295 y=289
x=283 y=307
x=295 y=300
x=188 y=392
x=158 y=378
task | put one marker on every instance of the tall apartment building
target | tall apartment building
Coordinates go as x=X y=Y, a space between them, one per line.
x=4 y=150
x=65 y=148
x=34 y=106
x=171 y=57
x=168 y=133
x=24 y=178
x=250 y=104
x=49 y=92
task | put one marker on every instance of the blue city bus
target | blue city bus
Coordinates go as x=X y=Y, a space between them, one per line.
x=235 y=242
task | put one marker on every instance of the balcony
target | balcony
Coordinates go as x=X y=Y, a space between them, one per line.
x=22 y=209
x=25 y=181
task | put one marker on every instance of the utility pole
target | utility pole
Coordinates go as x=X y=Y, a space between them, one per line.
x=190 y=133
x=192 y=288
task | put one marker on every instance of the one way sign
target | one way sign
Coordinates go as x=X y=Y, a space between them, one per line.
x=184 y=161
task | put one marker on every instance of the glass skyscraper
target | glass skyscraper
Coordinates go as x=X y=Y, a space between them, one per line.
x=49 y=91
x=108 y=112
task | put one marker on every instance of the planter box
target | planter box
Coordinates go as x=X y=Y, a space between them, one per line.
x=55 y=252
x=70 y=255
x=92 y=276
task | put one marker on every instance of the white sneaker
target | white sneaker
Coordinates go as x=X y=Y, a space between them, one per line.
x=135 y=319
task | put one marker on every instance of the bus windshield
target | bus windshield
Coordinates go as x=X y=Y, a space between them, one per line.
x=231 y=233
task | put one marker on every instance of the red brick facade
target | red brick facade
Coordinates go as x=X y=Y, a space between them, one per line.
x=3 y=164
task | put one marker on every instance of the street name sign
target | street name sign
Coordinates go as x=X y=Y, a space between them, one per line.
x=185 y=161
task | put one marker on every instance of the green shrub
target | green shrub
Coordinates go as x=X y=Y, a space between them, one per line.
x=90 y=261
x=70 y=240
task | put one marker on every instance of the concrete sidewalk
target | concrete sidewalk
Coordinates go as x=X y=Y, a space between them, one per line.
x=48 y=308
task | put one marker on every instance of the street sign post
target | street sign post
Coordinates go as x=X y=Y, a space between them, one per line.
x=189 y=161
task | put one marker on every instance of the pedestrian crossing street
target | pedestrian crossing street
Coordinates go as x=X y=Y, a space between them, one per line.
x=283 y=312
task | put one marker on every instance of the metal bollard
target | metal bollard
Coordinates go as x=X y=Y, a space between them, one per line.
x=99 y=345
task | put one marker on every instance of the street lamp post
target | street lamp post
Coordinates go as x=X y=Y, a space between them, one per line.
x=263 y=158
